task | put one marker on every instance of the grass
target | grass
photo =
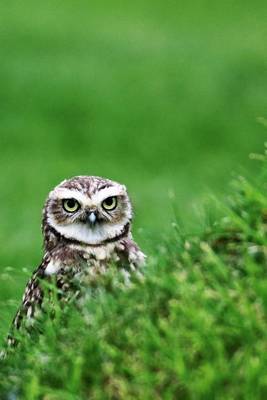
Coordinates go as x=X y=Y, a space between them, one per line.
x=194 y=327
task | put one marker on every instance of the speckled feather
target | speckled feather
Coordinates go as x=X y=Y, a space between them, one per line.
x=69 y=259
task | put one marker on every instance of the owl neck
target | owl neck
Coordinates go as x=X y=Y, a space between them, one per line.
x=52 y=238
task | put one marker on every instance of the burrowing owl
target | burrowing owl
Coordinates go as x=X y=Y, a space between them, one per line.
x=86 y=227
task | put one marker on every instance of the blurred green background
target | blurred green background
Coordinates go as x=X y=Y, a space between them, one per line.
x=158 y=95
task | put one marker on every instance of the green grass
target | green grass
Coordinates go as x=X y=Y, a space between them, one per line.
x=194 y=327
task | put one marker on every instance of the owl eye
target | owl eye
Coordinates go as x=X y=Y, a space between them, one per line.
x=71 y=205
x=110 y=203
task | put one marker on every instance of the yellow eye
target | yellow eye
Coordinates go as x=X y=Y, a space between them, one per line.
x=109 y=203
x=71 y=205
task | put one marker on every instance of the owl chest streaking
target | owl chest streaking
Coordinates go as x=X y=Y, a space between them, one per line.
x=86 y=227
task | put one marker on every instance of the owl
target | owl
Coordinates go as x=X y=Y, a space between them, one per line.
x=86 y=227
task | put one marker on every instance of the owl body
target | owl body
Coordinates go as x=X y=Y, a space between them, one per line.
x=86 y=227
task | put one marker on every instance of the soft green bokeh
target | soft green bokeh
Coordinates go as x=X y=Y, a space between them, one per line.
x=163 y=96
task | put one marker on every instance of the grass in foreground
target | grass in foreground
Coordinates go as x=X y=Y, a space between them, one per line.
x=194 y=327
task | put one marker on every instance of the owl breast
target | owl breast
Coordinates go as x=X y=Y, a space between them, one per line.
x=83 y=264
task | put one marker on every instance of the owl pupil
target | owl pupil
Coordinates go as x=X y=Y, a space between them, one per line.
x=109 y=201
x=71 y=203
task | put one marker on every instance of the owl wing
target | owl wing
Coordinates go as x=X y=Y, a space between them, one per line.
x=131 y=257
x=32 y=299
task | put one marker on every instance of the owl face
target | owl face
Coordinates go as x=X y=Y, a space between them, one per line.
x=88 y=209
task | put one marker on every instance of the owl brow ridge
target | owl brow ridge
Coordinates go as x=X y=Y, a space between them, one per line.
x=124 y=232
x=104 y=186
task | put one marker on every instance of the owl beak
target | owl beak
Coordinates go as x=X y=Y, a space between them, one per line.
x=92 y=217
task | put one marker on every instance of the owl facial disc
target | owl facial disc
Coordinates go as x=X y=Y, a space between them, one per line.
x=88 y=209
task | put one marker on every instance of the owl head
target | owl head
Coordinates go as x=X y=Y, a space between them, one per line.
x=87 y=209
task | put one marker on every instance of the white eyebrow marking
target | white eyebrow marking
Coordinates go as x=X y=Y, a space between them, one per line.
x=117 y=190
x=63 y=193
x=85 y=200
